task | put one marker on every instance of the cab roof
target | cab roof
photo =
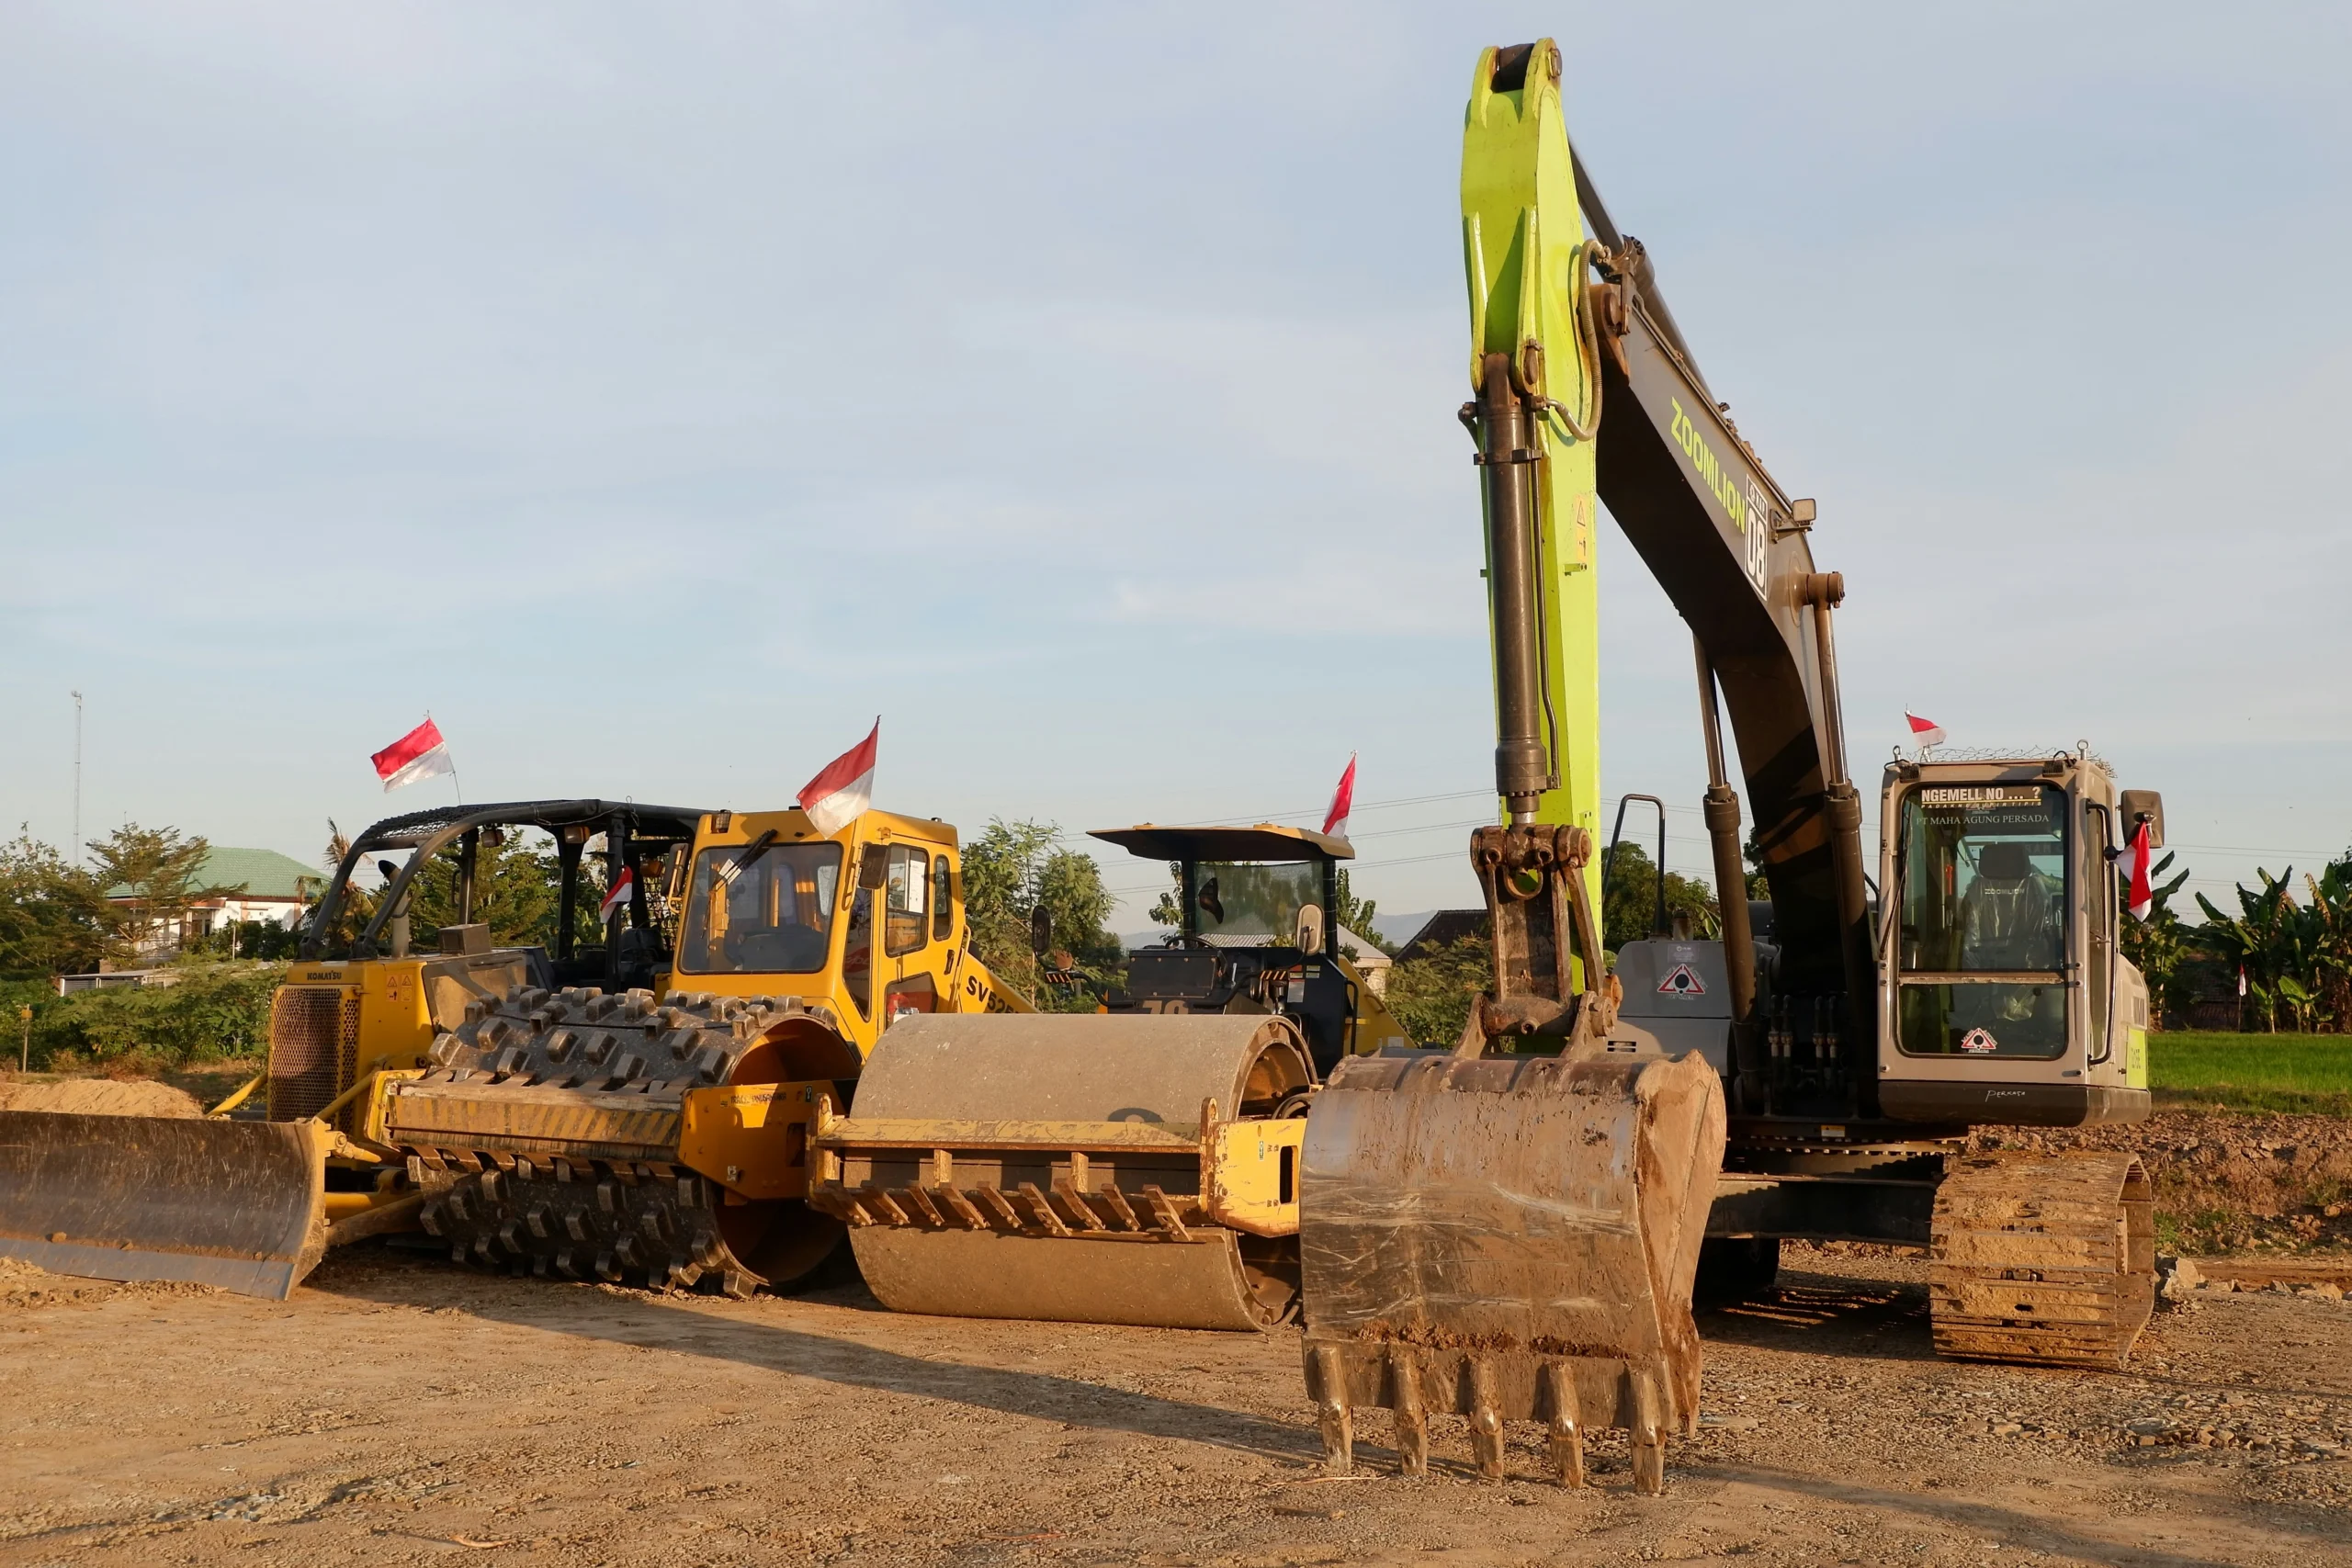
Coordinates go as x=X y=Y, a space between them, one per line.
x=1263 y=843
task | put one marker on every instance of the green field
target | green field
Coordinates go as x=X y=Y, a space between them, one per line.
x=2254 y=1072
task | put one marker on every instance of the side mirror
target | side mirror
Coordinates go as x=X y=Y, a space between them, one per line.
x=1041 y=931
x=1308 y=935
x=873 y=867
x=2147 y=803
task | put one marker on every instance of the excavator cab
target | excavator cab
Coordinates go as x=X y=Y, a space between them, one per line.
x=2010 y=999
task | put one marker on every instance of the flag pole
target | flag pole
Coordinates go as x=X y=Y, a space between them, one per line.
x=453 y=769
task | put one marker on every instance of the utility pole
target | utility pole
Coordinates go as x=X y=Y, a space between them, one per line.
x=77 y=780
x=25 y=1048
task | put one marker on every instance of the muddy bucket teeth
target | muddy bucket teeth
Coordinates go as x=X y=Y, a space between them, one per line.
x=1508 y=1238
x=238 y=1205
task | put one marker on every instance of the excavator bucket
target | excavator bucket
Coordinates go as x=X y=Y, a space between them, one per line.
x=1508 y=1238
x=1080 y=1167
x=239 y=1205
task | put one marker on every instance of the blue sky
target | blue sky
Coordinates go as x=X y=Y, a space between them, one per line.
x=655 y=397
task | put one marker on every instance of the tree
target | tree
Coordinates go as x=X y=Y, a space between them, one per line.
x=1628 y=905
x=2266 y=942
x=152 y=877
x=2160 y=946
x=1431 y=994
x=1355 y=914
x=2330 y=912
x=518 y=892
x=53 y=916
x=1011 y=870
x=358 y=906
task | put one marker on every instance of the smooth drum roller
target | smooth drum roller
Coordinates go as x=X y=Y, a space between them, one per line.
x=1138 y=1169
x=1508 y=1236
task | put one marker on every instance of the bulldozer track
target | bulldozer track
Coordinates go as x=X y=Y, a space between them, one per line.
x=2047 y=1259
x=545 y=1198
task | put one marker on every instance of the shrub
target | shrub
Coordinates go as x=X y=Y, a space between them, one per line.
x=214 y=1011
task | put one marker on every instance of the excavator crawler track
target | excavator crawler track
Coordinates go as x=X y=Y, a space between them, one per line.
x=2047 y=1259
x=548 y=1132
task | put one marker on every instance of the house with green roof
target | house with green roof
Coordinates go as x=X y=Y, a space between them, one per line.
x=256 y=884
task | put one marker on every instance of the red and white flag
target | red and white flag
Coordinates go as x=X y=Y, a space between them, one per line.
x=1924 y=732
x=2140 y=897
x=1343 y=800
x=844 y=788
x=617 y=899
x=418 y=755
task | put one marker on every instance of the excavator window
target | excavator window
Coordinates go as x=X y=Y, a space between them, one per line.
x=942 y=901
x=1981 y=900
x=760 y=908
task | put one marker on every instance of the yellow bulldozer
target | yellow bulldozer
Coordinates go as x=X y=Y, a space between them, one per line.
x=634 y=1109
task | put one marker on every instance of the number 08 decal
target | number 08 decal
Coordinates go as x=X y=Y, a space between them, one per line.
x=1760 y=533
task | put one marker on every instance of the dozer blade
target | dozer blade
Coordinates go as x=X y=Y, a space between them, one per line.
x=235 y=1204
x=1508 y=1238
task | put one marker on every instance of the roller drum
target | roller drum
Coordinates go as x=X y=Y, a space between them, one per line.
x=1081 y=1067
x=1109 y=1226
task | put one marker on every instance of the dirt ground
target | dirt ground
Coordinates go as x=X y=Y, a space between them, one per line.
x=402 y=1410
x=2228 y=1181
x=97 y=1097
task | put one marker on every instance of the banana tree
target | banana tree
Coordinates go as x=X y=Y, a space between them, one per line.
x=2262 y=940
x=2159 y=947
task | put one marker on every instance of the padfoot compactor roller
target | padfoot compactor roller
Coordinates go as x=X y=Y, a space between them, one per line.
x=249 y=1198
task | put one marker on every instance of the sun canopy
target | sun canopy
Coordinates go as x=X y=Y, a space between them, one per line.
x=1263 y=843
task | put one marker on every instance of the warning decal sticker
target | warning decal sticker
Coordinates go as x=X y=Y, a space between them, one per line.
x=1979 y=1042
x=1682 y=981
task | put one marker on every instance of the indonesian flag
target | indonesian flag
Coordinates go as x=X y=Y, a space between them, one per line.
x=845 y=787
x=1343 y=800
x=616 y=901
x=1924 y=732
x=418 y=755
x=2141 y=898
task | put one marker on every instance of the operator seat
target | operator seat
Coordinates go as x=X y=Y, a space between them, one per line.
x=2008 y=919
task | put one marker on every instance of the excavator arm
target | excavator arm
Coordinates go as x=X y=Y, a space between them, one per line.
x=1569 y=331
x=1731 y=549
